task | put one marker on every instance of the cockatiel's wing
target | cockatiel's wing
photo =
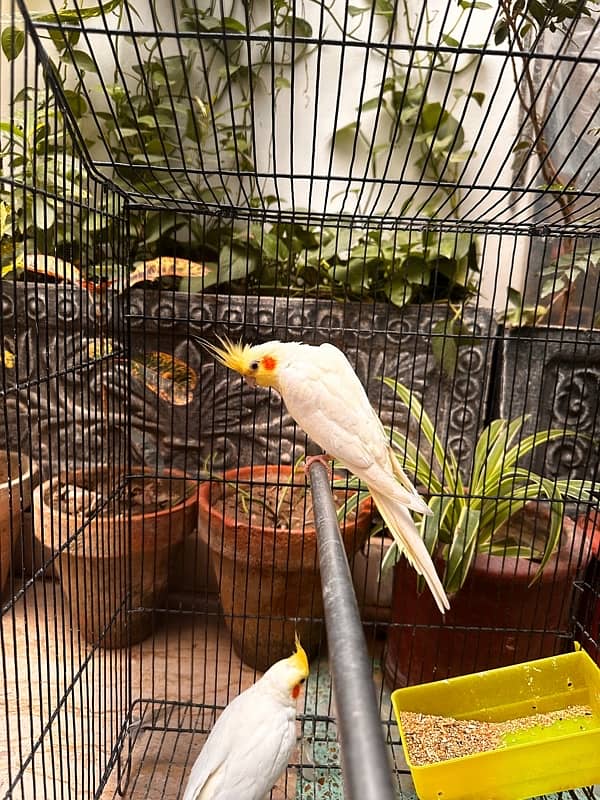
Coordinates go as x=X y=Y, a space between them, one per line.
x=245 y=752
x=326 y=398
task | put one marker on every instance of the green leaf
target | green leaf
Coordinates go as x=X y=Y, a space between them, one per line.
x=298 y=26
x=356 y=11
x=281 y=82
x=446 y=460
x=13 y=42
x=450 y=40
x=444 y=346
x=525 y=446
x=76 y=103
x=83 y=61
x=495 y=462
x=487 y=438
x=399 y=291
x=235 y=264
x=75 y=16
x=431 y=526
x=463 y=548
x=45 y=214
x=500 y=32
x=234 y=25
x=372 y=103
x=556 y=518
x=415 y=463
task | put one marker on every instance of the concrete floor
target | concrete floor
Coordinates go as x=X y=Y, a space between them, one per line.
x=63 y=706
x=67 y=704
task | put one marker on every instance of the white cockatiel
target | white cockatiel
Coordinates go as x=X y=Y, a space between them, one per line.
x=323 y=394
x=251 y=743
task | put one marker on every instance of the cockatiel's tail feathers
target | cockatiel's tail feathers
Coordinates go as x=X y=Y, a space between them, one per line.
x=418 y=504
x=406 y=535
x=299 y=659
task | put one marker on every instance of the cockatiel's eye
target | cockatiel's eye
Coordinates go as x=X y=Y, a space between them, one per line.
x=254 y=365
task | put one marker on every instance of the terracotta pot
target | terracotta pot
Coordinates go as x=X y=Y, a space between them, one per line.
x=268 y=579
x=15 y=499
x=112 y=576
x=495 y=620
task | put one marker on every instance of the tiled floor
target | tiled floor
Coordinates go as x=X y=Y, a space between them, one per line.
x=182 y=673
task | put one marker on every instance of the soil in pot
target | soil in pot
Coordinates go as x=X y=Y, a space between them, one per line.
x=495 y=620
x=113 y=576
x=263 y=551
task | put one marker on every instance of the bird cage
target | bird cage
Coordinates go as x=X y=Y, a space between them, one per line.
x=417 y=184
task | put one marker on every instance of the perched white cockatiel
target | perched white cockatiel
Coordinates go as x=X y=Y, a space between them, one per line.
x=251 y=743
x=323 y=394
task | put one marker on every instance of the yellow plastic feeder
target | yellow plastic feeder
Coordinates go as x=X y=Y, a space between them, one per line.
x=537 y=760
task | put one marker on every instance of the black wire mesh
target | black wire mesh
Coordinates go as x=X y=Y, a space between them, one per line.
x=415 y=183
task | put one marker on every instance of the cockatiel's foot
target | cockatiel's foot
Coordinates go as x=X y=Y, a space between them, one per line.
x=322 y=458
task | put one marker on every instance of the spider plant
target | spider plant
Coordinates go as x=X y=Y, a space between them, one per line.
x=472 y=518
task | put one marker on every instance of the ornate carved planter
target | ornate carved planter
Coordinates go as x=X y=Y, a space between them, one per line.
x=235 y=424
x=553 y=374
x=64 y=400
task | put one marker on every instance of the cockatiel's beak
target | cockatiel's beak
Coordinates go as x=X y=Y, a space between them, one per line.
x=250 y=381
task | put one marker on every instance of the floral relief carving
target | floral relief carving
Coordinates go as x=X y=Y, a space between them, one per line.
x=83 y=406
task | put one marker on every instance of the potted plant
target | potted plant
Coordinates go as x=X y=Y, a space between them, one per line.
x=507 y=552
x=588 y=608
x=15 y=498
x=113 y=574
x=257 y=522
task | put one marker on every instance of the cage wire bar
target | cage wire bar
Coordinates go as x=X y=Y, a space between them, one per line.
x=417 y=183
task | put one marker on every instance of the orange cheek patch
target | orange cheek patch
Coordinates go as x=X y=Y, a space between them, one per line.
x=296 y=691
x=269 y=363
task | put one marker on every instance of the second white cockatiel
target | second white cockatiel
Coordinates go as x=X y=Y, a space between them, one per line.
x=323 y=394
x=251 y=743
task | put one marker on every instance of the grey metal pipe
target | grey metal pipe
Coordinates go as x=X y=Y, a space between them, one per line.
x=365 y=763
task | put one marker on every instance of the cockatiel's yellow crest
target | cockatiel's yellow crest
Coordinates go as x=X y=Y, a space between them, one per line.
x=257 y=364
x=323 y=394
x=251 y=743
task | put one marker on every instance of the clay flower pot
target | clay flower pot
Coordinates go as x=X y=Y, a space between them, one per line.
x=495 y=620
x=15 y=498
x=268 y=577
x=113 y=575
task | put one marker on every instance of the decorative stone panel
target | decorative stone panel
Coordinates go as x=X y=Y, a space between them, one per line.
x=553 y=376
x=228 y=422
x=63 y=401
x=68 y=403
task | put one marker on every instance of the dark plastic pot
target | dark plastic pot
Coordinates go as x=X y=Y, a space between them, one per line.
x=495 y=620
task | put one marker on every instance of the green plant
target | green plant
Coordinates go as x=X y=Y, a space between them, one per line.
x=471 y=518
x=387 y=265
x=521 y=25
x=190 y=112
x=570 y=271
